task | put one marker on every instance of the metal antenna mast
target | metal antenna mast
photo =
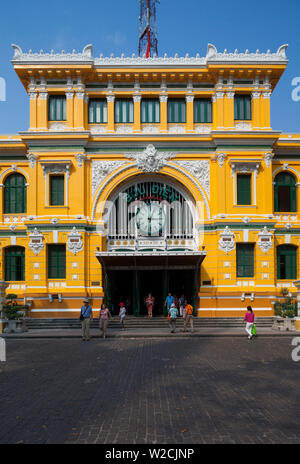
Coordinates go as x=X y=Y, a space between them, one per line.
x=148 y=32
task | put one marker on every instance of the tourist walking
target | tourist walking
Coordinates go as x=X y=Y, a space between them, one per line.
x=104 y=314
x=182 y=303
x=122 y=315
x=86 y=316
x=249 y=318
x=188 y=318
x=173 y=312
x=150 y=303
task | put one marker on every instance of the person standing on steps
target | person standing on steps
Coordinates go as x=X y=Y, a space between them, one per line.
x=104 y=314
x=188 y=318
x=122 y=315
x=150 y=303
x=249 y=318
x=86 y=316
x=169 y=301
x=182 y=303
x=173 y=311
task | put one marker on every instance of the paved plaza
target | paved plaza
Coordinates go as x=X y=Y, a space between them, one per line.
x=164 y=391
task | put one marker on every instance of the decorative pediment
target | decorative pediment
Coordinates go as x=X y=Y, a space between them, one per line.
x=56 y=168
x=227 y=241
x=74 y=243
x=265 y=241
x=150 y=160
x=36 y=243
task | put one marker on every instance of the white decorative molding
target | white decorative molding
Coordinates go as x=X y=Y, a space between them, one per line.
x=202 y=129
x=230 y=95
x=212 y=56
x=221 y=157
x=36 y=243
x=189 y=98
x=177 y=129
x=137 y=98
x=74 y=243
x=150 y=160
x=101 y=170
x=98 y=130
x=268 y=159
x=32 y=159
x=226 y=242
x=265 y=241
x=243 y=126
x=57 y=126
x=150 y=129
x=200 y=170
x=56 y=168
x=163 y=98
x=244 y=167
x=255 y=95
x=123 y=129
x=110 y=98
x=81 y=158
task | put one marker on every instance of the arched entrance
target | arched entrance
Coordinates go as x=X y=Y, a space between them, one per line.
x=152 y=245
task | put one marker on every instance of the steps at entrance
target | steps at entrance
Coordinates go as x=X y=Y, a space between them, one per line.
x=144 y=322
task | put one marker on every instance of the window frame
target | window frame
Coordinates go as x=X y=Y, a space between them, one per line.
x=119 y=119
x=20 y=207
x=51 y=178
x=198 y=111
x=147 y=101
x=292 y=192
x=92 y=108
x=54 y=110
x=58 y=267
x=240 y=176
x=171 y=112
x=291 y=253
x=245 y=260
x=240 y=109
x=8 y=266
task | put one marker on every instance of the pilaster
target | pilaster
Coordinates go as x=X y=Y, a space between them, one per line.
x=189 y=114
x=163 y=127
x=110 y=113
x=137 y=113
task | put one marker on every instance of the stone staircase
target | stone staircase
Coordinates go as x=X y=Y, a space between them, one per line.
x=144 y=322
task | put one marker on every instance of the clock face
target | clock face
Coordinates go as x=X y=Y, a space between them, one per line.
x=150 y=219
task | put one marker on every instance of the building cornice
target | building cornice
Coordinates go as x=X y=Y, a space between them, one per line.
x=212 y=57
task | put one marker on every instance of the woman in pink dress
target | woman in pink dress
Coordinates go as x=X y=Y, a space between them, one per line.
x=103 y=319
x=249 y=318
x=150 y=303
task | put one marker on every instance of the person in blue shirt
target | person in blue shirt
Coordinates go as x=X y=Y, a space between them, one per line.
x=87 y=316
x=169 y=301
x=173 y=312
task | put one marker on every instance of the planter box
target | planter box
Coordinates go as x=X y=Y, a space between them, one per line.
x=15 y=326
x=284 y=323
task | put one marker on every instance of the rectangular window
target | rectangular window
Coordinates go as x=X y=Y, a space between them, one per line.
x=202 y=110
x=57 y=190
x=242 y=107
x=57 y=108
x=243 y=189
x=97 y=111
x=56 y=261
x=124 y=111
x=245 y=260
x=150 y=111
x=176 y=111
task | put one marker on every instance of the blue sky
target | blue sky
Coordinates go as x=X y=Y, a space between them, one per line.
x=183 y=27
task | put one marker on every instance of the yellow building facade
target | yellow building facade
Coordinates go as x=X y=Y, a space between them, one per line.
x=152 y=175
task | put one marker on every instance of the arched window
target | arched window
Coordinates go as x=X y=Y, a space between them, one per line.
x=287 y=262
x=14 y=263
x=285 y=193
x=15 y=194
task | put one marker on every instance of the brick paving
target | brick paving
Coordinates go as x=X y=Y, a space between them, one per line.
x=184 y=391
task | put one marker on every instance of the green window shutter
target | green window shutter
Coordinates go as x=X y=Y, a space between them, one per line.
x=245 y=260
x=57 y=109
x=176 y=111
x=287 y=262
x=242 y=107
x=150 y=111
x=202 y=110
x=56 y=261
x=124 y=112
x=244 y=189
x=285 y=196
x=14 y=264
x=15 y=196
x=97 y=111
x=57 y=190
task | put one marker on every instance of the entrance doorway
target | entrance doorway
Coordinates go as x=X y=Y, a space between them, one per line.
x=133 y=286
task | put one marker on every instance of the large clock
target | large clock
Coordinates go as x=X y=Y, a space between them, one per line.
x=150 y=219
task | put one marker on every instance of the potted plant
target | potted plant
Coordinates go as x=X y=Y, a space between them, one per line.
x=14 y=314
x=285 y=310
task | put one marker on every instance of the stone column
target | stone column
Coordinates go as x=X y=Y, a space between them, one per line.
x=70 y=109
x=229 y=110
x=79 y=111
x=189 y=127
x=163 y=128
x=42 y=111
x=110 y=128
x=137 y=113
x=33 y=110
